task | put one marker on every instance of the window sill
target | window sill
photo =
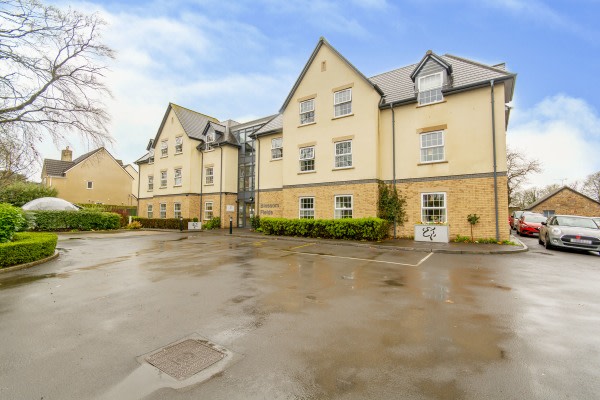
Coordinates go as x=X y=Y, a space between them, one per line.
x=430 y=104
x=162 y=187
x=433 y=162
x=181 y=152
x=176 y=185
x=276 y=159
x=342 y=168
x=150 y=190
x=306 y=172
x=209 y=184
x=307 y=124
x=343 y=116
x=167 y=156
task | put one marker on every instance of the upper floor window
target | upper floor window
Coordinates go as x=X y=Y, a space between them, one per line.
x=163 y=210
x=343 y=154
x=163 y=179
x=177 y=180
x=151 y=156
x=150 y=211
x=276 y=148
x=210 y=139
x=176 y=210
x=210 y=177
x=164 y=148
x=342 y=207
x=178 y=144
x=430 y=88
x=307 y=158
x=307 y=207
x=90 y=184
x=342 y=103
x=433 y=207
x=150 y=183
x=432 y=146
x=307 y=111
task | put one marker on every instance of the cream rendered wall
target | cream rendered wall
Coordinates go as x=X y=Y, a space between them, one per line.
x=271 y=171
x=212 y=158
x=228 y=172
x=134 y=184
x=111 y=183
x=467 y=137
x=230 y=169
x=146 y=170
x=362 y=126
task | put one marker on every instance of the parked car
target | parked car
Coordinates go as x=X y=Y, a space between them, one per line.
x=514 y=218
x=597 y=221
x=530 y=224
x=570 y=231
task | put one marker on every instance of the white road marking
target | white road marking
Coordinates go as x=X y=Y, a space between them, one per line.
x=361 y=259
x=304 y=245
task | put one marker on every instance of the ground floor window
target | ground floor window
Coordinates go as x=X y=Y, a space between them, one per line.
x=208 y=210
x=433 y=208
x=163 y=210
x=343 y=207
x=177 y=210
x=150 y=211
x=307 y=207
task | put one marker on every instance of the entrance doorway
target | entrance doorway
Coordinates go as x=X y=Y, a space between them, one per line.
x=245 y=212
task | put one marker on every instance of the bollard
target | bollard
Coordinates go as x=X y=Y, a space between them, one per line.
x=230 y=225
x=180 y=224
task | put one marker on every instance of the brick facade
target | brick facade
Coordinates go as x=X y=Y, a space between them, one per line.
x=270 y=204
x=570 y=202
x=190 y=206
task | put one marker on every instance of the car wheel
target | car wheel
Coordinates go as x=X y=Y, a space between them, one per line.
x=547 y=244
x=540 y=240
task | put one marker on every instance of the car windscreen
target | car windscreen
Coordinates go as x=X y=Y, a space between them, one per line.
x=535 y=218
x=576 y=222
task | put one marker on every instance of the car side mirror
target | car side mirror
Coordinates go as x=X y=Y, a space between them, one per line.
x=544 y=223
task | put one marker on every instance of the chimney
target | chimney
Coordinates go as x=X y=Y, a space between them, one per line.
x=66 y=155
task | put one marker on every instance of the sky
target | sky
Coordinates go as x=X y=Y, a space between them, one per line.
x=239 y=59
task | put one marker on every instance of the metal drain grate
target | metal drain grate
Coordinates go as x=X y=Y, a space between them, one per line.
x=185 y=359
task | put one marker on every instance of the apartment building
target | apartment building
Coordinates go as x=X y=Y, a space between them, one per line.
x=435 y=129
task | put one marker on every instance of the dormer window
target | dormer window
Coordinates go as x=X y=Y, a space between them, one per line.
x=210 y=138
x=151 y=156
x=430 y=89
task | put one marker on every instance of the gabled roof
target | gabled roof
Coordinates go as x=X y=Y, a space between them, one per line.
x=323 y=42
x=275 y=125
x=557 y=191
x=60 y=168
x=193 y=122
x=430 y=55
x=398 y=85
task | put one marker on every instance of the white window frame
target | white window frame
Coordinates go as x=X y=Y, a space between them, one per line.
x=443 y=216
x=304 y=160
x=306 y=213
x=307 y=111
x=176 y=211
x=424 y=149
x=163 y=180
x=162 y=209
x=210 y=138
x=338 y=211
x=208 y=212
x=177 y=177
x=179 y=145
x=209 y=179
x=150 y=183
x=151 y=156
x=277 y=148
x=150 y=211
x=341 y=158
x=164 y=148
x=337 y=104
x=89 y=185
x=432 y=95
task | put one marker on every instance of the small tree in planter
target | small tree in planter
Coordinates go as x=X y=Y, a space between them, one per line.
x=473 y=220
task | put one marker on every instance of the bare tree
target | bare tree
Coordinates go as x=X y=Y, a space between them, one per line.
x=51 y=75
x=519 y=168
x=17 y=161
x=591 y=186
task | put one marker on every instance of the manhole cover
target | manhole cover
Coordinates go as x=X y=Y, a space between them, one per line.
x=185 y=359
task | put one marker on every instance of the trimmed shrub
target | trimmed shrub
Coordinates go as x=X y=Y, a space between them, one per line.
x=11 y=220
x=255 y=222
x=20 y=193
x=161 y=223
x=124 y=211
x=27 y=247
x=134 y=225
x=347 y=228
x=75 y=220
x=214 y=223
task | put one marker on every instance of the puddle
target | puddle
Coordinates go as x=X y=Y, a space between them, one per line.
x=23 y=280
x=394 y=282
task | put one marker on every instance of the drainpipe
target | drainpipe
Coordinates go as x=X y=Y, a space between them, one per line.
x=221 y=187
x=495 y=166
x=138 y=193
x=394 y=158
x=257 y=169
x=201 y=183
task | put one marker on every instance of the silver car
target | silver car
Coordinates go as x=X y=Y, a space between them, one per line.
x=570 y=231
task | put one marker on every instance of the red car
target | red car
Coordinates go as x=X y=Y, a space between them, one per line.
x=529 y=224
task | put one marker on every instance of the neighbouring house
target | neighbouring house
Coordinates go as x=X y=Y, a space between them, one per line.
x=135 y=182
x=95 y=177
x=566 y=201
x=434 y=129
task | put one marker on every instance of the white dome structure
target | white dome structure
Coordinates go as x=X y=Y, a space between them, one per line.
x=49 y=203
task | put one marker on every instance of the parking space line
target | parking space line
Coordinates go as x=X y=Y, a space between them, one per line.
x=424 y=259
x=352 y=258
x=304 y=245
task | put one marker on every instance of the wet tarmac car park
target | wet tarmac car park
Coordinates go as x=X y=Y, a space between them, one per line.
x=156 y=315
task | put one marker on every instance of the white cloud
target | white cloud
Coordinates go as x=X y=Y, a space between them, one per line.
x=563 y=133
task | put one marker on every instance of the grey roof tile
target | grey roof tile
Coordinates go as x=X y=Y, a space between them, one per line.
x=274 y=125
x=57 y=167
x=194 y=123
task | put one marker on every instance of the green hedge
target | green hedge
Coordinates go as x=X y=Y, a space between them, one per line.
x=27 y=247
x=213 y=223
x=11 y=220
x=162 y=223
x=347 y=228
x=75 y=220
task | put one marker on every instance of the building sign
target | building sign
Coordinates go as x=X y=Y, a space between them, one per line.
x=230 y=208
x=194 y=226
x=431 y=233
x=266 y=208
